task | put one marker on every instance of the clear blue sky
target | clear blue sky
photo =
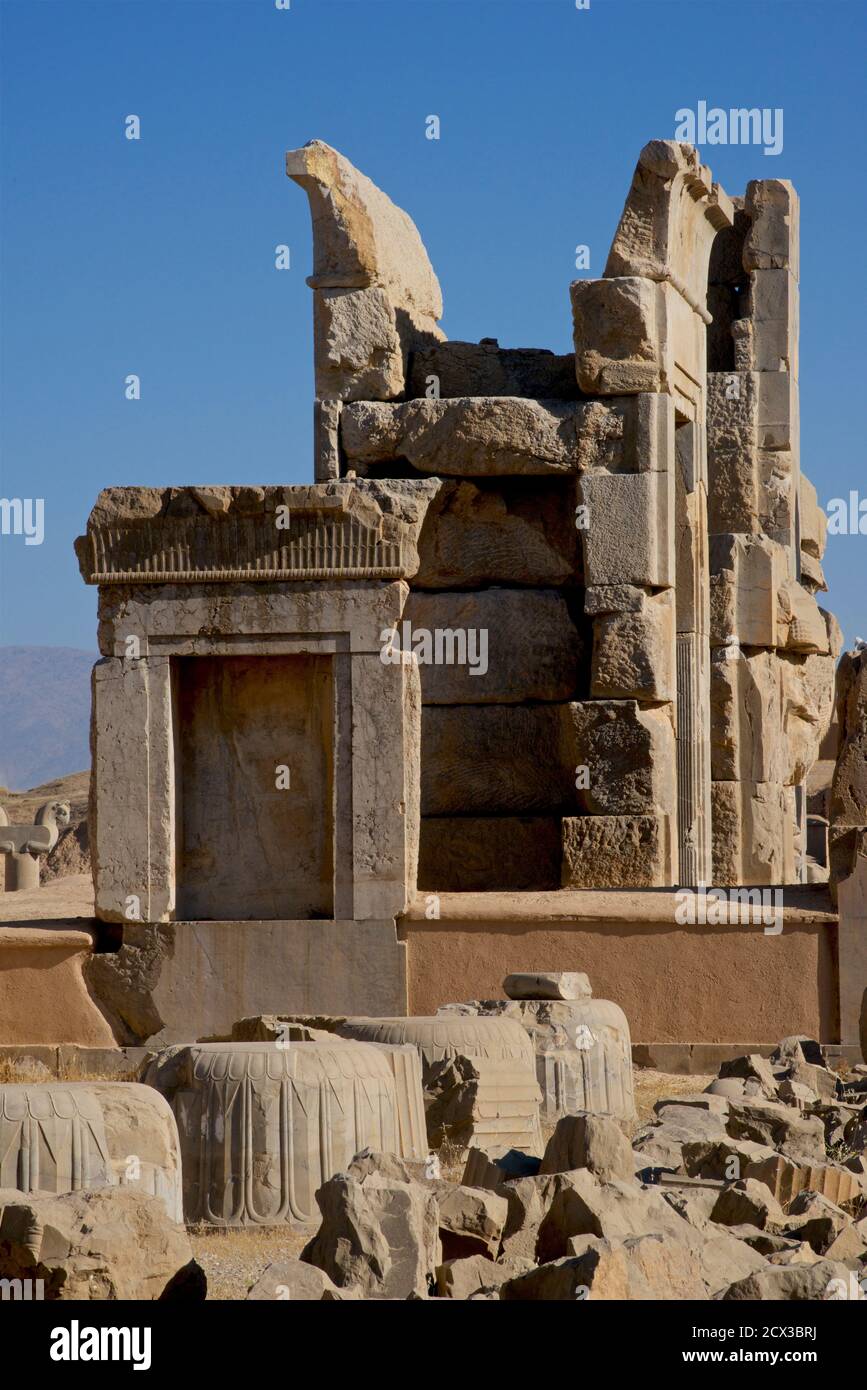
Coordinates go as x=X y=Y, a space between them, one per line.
x=157 y=256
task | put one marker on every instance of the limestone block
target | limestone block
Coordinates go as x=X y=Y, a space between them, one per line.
x=814 y=522
x=628 y=538
x=774 y=312
x=262 y=1126
x=802 y=1283
x=629 y=752
x=852 y=943
x=131 y=839
x=812 y=576
x=777 y=471
x=439 y=1039
x=488 y=1102
x=773 y=240
x=616 y=852
x=499 y=533
x=474 y=1274
x=378 y=1237
x=486 y=369
x=800 y=625
x=468 y=436
x=480 y=854
x=670 y=220
x=619 y=331
x=633 y=653
x=583 y=1054
x=206 y=536
x=746 y=575
x=566 y=985
x=360 y=237
x=385 y=791
x=497 y=645
x=326 y=440
x=786 y=1178
x=808 y=701
x=746 y=726
x=358 y=354
x=777 y=410
x=175 y=979
x=749 y=822
x=732 y=462
x=497 y=760
x=296 y=1282
x=849 y=787
x=98 y=1246
x=589 y=1141
x=614 y=598
x=142 y=1138
x=53 y=1139
x=471 y=1220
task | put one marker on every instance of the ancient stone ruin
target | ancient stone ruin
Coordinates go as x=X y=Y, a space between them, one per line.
x=543 y=629
x=22 y=845
x=523 y=691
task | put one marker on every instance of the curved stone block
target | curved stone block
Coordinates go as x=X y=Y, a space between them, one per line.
x=143 y=1140
x=263 y=1125
x=79 y=1135
x=53 y=1139
x=582 y=1050
x=439 y=1039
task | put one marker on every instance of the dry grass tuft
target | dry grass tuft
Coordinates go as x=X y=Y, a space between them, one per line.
x=651 y=1086
x=233 y=1259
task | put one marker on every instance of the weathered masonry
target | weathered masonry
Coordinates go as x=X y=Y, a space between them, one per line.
x=543 y=630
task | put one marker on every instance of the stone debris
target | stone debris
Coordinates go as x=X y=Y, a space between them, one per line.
x=295 y=1281
x=584 y=1223
x=377 y=1235
x=100 y=1245
x=582 y=1045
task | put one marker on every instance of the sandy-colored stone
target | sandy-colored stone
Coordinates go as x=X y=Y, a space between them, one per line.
x=633 y=653
x=280 y=1120
x=97 y=1246
x=564 y=985
x=377 y=1236
x=481 y=854
x=615 y=852
x=473 y=436
x=589 y=1141
x=493 y=646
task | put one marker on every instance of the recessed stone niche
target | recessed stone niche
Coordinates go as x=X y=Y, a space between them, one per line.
x=255 y=786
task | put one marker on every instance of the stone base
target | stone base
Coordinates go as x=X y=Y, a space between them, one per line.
x=679 y=985
x=187 y=981
x=43 y=997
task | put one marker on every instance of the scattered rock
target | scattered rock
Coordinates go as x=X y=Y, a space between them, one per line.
x=107 y=1244
x=589 y=1141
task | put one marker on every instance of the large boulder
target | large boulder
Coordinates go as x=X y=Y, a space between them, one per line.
x=589 y=1141
x=377 y=1236
x=108 y=1244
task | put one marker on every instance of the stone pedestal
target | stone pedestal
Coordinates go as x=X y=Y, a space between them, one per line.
x=263 y=1125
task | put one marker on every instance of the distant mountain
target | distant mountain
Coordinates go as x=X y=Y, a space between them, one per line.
x=44 y=714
